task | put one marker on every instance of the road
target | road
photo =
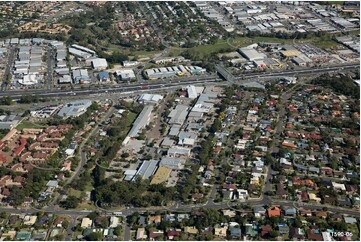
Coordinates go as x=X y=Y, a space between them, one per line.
x=82 y=153
x=9 y=64
x=50 y=64
x=156 y=85
x=275 y=145
x=164 y=84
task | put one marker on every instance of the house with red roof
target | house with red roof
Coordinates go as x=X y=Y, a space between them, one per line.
x=274 y=212
x=20 y=149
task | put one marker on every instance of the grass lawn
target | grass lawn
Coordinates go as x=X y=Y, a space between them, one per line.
x=354 y=32
x=73 y=192
x=354 y=230
x=30 y=125
x=131 y=117
x=87 y=206
x=325 y=44
x=234 y=43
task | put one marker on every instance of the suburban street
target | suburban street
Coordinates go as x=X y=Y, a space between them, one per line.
x=82 y=153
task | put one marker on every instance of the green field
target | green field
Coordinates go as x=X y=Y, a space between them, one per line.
x=233 y=43
x=28 y=125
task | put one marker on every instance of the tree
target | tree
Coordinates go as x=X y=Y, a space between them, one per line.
x=117 y=231
x=94 y=236
x=65 y=224
x=273 y=234
x=3 y=215
x=6 y=101
x=16 y=197
x=70 y=202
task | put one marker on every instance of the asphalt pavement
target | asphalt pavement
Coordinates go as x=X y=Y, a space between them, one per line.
x=9 y=64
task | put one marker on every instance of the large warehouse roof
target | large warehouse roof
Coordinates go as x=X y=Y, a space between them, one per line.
x=141 y=121
x=251 y=54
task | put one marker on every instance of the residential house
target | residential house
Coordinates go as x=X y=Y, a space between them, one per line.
x=229 y=213
x=172 y=233
x=313 y=197
x=305 y=212
x=154 y=234
x=190 y=230
x=141 y=234
x=86 y=223
x=274 y=212
x=236 y=233
x=290 y=211
x=296 y=234
x=350 y=220
x=321 y=214
x=314 y=234
x=154 y=219
x=265 y=229
x=280 y=191
x=283 y=228
x=221 y=231
x=30 y=220
x=250 y=230
x=259 y=212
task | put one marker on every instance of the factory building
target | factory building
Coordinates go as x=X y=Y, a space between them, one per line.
x=251 y=54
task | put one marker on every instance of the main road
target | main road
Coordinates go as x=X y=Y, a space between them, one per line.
x=164 y=84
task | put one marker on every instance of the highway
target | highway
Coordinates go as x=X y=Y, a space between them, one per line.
x=164 y=84
x=157 y=85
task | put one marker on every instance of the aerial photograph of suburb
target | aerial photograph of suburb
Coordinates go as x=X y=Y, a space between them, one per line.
x=180 y=120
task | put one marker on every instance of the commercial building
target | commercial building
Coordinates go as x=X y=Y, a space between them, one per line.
x=141 y=121
x=9 y=121
x=301 y=60
x=150 y=98
x=74 y=109
x=81 y=76
x=125 y=75
x=251 y=54
x=165 y=60
x=99 y=64
x=171 y=71
x=103 y=76
x=178 y=114
x=192 y=92
x=172 y=163
x=84 y=49
x=177 y=151
x=130 y=63
x=343 y=23
x=29 y=79
x=65 y=79
x=147 y=169
x=78 y=53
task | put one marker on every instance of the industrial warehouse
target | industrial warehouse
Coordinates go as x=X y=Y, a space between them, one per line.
x=164 y=72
